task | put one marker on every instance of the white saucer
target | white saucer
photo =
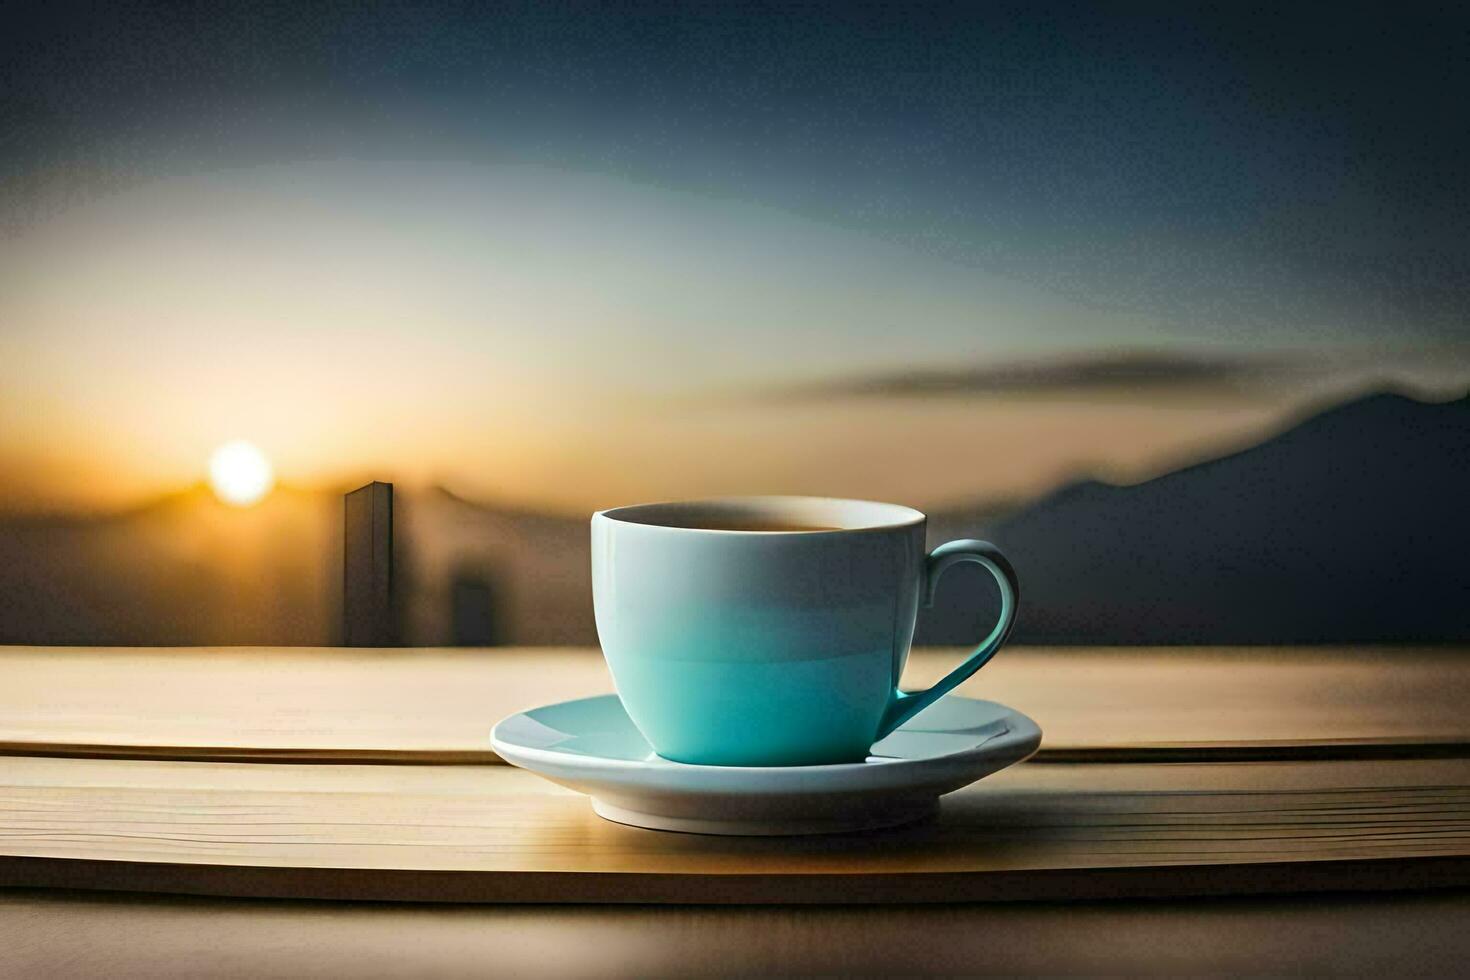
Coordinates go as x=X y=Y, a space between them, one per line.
x=591 y=746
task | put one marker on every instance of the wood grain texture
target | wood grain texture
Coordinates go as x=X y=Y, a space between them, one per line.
x=75 y=935
x=395 y=706
x=497 y=834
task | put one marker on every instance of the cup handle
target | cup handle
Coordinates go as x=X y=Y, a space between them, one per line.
x=905 y=704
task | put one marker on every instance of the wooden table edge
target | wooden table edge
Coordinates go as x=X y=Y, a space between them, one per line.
x=865 y=888
x=1313 y=750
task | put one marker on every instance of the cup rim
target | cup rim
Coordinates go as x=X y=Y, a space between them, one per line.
x=850 y=515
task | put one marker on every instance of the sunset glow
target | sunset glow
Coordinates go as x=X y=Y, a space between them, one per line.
x=240 y=474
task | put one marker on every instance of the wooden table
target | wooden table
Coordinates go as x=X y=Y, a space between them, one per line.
x=76 y=935
x=349 y=774
x=437 y=706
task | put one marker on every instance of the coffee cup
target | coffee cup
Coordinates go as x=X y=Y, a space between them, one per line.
x=772 y=631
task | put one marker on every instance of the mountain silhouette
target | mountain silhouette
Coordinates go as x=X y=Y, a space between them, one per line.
x=1352 y=526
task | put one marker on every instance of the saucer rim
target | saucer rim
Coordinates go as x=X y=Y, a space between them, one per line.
x=659 y=762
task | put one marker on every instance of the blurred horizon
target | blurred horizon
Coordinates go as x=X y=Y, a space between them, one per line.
x=1082 y=432
x=1325 y=531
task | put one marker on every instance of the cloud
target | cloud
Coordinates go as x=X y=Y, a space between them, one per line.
x=1134 y=370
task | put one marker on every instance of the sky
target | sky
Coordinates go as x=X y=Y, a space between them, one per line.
x=572 y=255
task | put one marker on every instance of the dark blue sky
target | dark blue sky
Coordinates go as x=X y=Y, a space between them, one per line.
x=1274 y=174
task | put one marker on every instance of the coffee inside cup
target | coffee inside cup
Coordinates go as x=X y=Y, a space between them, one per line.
x=755 y=524
x=768 y=515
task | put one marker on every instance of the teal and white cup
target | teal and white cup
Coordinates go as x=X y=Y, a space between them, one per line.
x=772 y=631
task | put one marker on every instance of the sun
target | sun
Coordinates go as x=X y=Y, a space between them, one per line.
x=240 y=474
